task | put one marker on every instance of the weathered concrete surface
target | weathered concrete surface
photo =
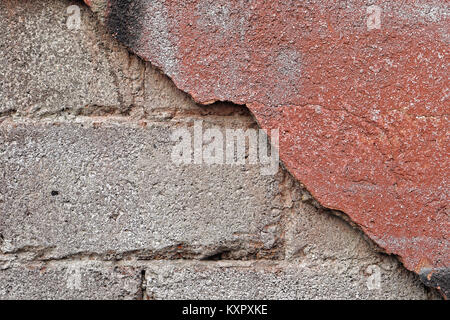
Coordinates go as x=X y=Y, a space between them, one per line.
x=183 y=279
x=85 y=280
x=104 y=220
x=105 y=189
x=268 y=280
x=361 y=102
x=47 y=68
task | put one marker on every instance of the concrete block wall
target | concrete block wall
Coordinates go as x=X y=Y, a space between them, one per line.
x=92 y=207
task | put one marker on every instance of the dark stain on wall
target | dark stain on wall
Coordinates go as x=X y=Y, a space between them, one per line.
x=437 y=278
x=124 y=20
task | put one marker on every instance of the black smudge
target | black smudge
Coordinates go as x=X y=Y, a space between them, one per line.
x=124 y=21
x=437 y=278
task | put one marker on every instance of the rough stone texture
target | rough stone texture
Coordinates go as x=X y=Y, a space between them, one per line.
x=361 y=104
x=76 y=280
x=91 y=190
x=47 y=68
x=76 y=188
x=268 y=280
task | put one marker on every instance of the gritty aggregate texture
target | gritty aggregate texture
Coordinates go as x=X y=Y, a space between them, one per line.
x=91 y=206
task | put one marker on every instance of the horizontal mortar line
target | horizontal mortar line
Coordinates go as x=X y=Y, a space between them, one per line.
x=138 y=262
x=123 y=120
x=142 y=262
x=130 y=111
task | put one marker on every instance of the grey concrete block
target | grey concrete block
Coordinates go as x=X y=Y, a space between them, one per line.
x=276 y=280
x=74 y=280
x=48 y=68
x=112 y=190
x=319 y=234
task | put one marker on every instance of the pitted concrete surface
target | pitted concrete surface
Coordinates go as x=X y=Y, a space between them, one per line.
x=260 y=280
x=77 y=280
x=92 y=207
x=76 y=189
x=358 y=90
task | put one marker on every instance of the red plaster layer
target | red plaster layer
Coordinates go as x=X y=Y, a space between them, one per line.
x=362 y=111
